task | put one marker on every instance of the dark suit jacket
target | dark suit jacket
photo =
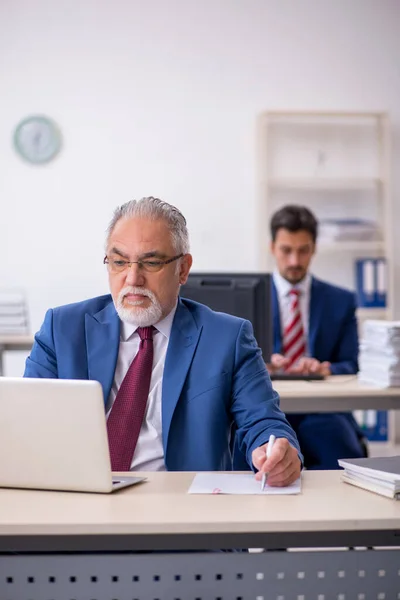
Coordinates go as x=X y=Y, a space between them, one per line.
x=214 y=374
x=332 y=331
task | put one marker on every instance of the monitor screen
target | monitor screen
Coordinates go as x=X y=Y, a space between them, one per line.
x=246 y=295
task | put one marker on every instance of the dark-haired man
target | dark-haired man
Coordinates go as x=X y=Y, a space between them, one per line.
x=315 y=331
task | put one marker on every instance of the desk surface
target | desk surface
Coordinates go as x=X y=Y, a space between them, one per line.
x=337 y=393
x=16 y=342
x=160 y=510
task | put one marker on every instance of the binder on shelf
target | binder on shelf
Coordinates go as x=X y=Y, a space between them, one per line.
x=374 y=424
x=371 y=286
x=381 y=281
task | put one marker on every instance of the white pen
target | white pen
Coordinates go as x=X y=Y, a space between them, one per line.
x=267 y=454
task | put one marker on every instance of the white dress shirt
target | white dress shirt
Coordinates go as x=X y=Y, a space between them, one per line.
x=149 y=452
x=283 y=288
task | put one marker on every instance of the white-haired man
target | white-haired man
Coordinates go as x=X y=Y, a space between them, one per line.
x=175 y=375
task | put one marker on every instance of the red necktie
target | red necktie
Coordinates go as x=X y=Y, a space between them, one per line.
x=127 y=412
x=294 y=341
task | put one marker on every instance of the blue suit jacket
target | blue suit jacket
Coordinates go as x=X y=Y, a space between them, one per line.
x=214 y=374
x=332 y=331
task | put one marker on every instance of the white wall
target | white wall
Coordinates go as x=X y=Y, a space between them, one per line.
x=160 y=97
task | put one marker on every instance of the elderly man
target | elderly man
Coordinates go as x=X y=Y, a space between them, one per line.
x=176 y=376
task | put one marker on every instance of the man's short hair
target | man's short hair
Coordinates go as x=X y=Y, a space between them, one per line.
x=294 y=218
x=154 y=209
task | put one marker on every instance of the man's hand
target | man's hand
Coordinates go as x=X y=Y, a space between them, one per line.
x=306 y=365
x=278 y=362
x=283 y=466
x=303 y=366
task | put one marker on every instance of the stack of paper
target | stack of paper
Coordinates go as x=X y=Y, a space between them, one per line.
x=380 y=475
x=334 y=230
x=379 y=358
x=13 y=313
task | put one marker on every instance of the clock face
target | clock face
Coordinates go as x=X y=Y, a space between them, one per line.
x=37 y=139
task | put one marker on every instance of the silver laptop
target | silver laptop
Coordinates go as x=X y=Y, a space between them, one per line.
x=53 y=436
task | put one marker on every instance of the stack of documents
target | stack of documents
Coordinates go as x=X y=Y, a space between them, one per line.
x=380 y=475
x=335 y=230
x=379 y=358
x=13 y=313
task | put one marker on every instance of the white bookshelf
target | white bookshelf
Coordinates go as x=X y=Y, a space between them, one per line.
x=336 y=164
x=323 y=183
x=367 y=247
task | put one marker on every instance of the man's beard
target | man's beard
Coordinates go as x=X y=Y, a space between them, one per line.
x=294 y=276
x=143 y=317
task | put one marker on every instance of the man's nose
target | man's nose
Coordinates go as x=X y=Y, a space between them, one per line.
x=293 y=259
x=134 y=275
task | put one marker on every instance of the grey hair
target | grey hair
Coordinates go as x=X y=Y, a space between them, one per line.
x=155 y=209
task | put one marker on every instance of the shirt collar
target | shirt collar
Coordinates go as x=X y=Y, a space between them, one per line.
x=283 y=286
x=164 y=326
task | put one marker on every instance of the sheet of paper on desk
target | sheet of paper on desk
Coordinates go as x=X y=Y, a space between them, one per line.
x=232 y=483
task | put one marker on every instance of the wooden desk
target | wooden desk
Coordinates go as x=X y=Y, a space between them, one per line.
x=339 y=393
x=13 y=343
x=159 y=515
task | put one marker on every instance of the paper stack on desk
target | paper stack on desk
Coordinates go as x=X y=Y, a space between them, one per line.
x=13 y=313
x=379 y=357
x=237 y=483
x=380 y=474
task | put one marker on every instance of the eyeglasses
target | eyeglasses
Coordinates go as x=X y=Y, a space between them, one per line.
x=118 y=265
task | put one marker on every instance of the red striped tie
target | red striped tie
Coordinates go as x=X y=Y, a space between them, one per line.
x=294 y=341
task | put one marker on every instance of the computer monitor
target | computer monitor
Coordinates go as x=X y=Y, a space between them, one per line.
x=246 y=295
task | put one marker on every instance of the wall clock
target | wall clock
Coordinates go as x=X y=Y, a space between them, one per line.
x=37 y=139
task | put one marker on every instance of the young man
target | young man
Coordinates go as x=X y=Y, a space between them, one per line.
x=315 y=331
x=176 y=376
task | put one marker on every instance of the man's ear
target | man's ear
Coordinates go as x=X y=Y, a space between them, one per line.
x=186 y=264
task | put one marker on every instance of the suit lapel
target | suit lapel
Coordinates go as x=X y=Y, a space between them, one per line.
x=277 y=339
x=102 y=343
x=315 y=314
x=182 y=344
